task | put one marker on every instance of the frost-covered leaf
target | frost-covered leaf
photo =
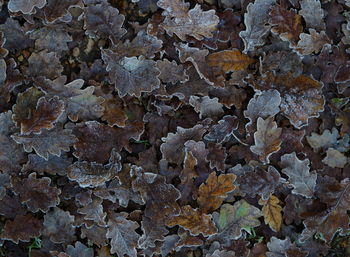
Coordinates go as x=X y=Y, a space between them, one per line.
x=131 y=75
x=232 y=219
x=182 y=21
x=216 y=156
x=267 y=139
x=122 y=233
x=48 y=142
x=298 y=172
x=44 y=64
x=94 y=174
x=36 y=193
x=312 y=13
x=229 y=60
x=171 y=72
x=53 y=165
x=312 y=43
x=59 y=10
x=151 y=233
x=25 y=6
x=103 y=20
x=223 y=130
x=11 y=154
x=286 y=23
x=80 y=104
x=259 y=182
x=95 y=135
x=79 y=250
x=329 y=221
x=212 y=194
x=94 y=212
x=173 y=146
x=160 y=197
x=58 y=226
x=335 y=159
x=272 y=212
x=264 y=104
x=255 y=20
x=206 y=106
x=328 y=139
x=195 y=221
x=47 y=112
x=22 y=228
x=278 y=247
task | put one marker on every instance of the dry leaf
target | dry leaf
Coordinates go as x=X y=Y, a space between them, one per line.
x=272 y=212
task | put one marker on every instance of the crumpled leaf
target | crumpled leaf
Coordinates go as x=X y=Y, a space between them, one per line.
x=267 y=139
x=212 y=194
x=25 y=6
x=272 y=212
x=36 y=193
x=151 y=233
x=286 y=23
x=263 y=104
x=79 y=250
x=329 y=221
x=48 y=142
x=182 y=21
x=259 y=182
x=206 y=106
x=80 y=104
x=194 y=221
x=232 y=219
x=58 y=226
x=94 y=212
x=312 y=42
x=312 y=13
x=122 y=233
x=172 y=149
x=229 y=60
x=223 y=130
x=47 y=112
x=299 y=176
x=255 y=20
x=131 y=75
x=11 y=154
x=22 y=228
x=335 y=159
x=103 y=20
x=94 y=174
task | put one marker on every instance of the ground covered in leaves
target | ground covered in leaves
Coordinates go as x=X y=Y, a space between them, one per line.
x=174 y=128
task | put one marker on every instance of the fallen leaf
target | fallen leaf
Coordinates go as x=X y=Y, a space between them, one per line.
x=272 y=212
x=229 y=60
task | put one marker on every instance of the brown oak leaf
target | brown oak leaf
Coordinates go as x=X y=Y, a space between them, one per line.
x=272 y=212
x=229 y=60
x=194 y=221
x=212 y=194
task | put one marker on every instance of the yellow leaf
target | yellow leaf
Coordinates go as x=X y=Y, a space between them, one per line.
x=272 y=212
x=213 y=192
x=229 y=60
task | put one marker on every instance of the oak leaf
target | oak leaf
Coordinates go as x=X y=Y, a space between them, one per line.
x=267 y=139
x=194 y=220
x=313 y=14
x=212 y=194
x=25 y=6
x=272 y=212
x=229 y=60
x=312 y=43
x=206 y=106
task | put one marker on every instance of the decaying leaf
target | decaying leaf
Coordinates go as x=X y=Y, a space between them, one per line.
x=212 y=194
x=45 y=64
x=328 y=139
x=223 y=130
x=122 y=233
x=232 y=219
x=298 y=172
x=171 y=72
x=312 y=43
x=272 y=212
x=194 y=220
x=79 y=250
x=335 y=159
x=182 y=21
x=206 y=106
x=267 y=139
x=229 y=60
x=25 y=6
x=312 y=13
